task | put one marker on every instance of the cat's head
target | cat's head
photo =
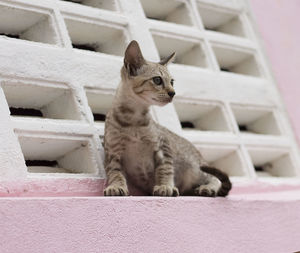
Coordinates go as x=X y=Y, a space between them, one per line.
x=149 y=81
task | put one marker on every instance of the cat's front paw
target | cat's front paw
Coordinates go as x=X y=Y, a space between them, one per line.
x=116 y=190
x=165 y=190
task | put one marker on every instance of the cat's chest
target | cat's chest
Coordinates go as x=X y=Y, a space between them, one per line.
x=138 y=156
x=140 y=147
x=141 y=138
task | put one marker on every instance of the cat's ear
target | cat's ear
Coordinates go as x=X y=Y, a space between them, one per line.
x=133 y=59
x=168 y=59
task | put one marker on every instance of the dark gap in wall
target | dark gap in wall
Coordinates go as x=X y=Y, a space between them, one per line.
x=210 y=29
x=187 y=124
x=41 y=163
x=225 y=69
x=25 y=112
x=99 y=117
x=89 y=47
x=155 y=18
x=259 y=168
x=14 y=36
x=73 y=1
x=243 y=128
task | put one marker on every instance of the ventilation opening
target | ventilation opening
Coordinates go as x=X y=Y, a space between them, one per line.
x=187 y=52
x=99 y=116
x=26 y=25
x=28 y=100
x=14 y=36
x=240 y=62
x=269 y=162
x=221 y=21
x=85 y=47
x=44 y=166
x=224 y=69
x=97 y=38
x=55 y=155
x=99 y=103
x=256 y=121
x=41 y=163
x=167 y=10
x=204 y=117
x=243 y=128
x=187 y=124
x=101 y=4
x=25 y=112
x=227 y=159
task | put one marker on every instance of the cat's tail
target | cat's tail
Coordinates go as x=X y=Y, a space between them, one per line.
x=223 y=177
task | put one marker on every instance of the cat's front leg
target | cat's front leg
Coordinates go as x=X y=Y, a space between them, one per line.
x=164 y=172
x=114 y=148
x=116 y=180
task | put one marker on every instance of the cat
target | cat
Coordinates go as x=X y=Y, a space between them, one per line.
x=139 y=150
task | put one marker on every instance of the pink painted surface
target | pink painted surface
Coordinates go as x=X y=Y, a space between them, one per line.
x=57 y=187
x=147 y=224
x=63 y=187
x=278 y=24
x=52 y=187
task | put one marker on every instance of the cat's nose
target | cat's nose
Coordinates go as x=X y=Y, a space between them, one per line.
x=171 y=93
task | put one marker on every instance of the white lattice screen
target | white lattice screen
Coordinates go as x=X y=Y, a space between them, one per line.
x=60 y=63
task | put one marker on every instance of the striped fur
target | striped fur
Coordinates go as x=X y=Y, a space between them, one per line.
x=138 y=149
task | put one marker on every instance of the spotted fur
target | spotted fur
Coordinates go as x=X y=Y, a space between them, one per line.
x=138 y=149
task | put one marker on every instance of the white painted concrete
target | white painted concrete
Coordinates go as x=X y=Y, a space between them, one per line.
x=41 y=70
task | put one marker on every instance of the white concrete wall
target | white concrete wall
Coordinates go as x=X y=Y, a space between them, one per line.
x=42 y=70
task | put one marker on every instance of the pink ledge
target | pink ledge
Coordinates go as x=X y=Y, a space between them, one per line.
x=50 y=187
x=62 y=187
x=148 y=224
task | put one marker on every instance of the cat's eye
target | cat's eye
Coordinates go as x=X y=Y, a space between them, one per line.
x=157 y=80
x=172 y=82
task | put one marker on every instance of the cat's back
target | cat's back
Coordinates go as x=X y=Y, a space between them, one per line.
x=178 y=144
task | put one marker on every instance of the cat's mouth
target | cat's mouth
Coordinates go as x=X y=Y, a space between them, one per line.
x=162 y=101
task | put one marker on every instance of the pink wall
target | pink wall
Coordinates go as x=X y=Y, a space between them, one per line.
x=278 y=24
x=147 y=224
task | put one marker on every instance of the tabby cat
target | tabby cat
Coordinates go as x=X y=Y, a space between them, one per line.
x=139 y=150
